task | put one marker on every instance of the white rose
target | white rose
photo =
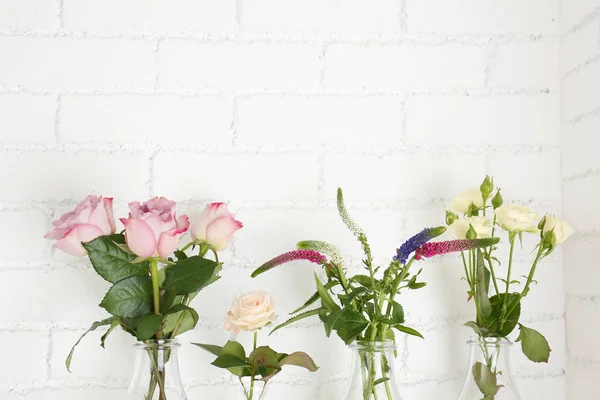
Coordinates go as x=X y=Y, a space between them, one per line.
x=482 y=227
x=463 y=201
x=562 y=230
x=251 y=312
x=516 y=218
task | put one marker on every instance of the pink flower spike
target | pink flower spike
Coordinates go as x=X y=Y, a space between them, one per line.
x=433 y=249
x=308 y=255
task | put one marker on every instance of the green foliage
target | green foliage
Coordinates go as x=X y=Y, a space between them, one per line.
x=191 y=274
x=486 y=380
x=262 y=363
x=95 y=325
x=534 y=344
x=111 y=262
x=129 y=298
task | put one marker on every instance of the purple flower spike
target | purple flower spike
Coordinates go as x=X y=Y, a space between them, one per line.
x=416 y=241
x=308 y=255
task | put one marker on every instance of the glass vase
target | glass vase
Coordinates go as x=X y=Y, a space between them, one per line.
x=156 y=372
x=372 y=373
x=489 y=373
x=253 y=391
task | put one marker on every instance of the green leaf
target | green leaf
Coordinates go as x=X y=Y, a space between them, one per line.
x=314 y=297
x=331 y=321
x=191 y=275
x=364 y=280
x=148 y=326
x=473 y=325
x=348 y=298
x=350 y=324
x=485 y=307
x=228 y=361
x=180 y=313
x=234 y=349
x=111 y=262
x=264 y=357
x=407 y=330
x=113 y=326
x=299 y=359
x=95 y=325
x=297 y=318
x=397 y=313
x=534 y=344
x=495 y=324
x=168 y=299
x=211 y=348
x=326 y=299
x=129 y=298
x=485 y=379
x=380 y=380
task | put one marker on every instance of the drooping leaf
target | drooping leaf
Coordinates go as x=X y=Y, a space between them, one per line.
x=95 y=325
x=299 y=359
x=473 y=325
x=148 y=326
x=485 y=379
x=485 y=307
x=211 y=348
x=534 y=344
x=112 y=327
x=298 y=317
x=129 y=298
x=111 y=262
x=190 y=275
x=407 y=330
x=350 y=324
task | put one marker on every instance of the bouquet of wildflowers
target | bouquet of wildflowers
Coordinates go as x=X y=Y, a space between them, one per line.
x=496 y=292
x=250 y=313
x=152 y=281
x=364 y=307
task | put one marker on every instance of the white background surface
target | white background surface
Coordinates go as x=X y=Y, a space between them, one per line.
x=271 y=105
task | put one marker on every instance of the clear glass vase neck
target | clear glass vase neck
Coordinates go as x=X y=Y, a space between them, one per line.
x=156 y=372
x=372 y=372
x=489 y=373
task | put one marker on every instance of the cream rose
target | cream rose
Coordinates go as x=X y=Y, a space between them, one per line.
x=462 y=202
x=516 y=218
x=481 y=225
x=562 y=230
x=251 y=312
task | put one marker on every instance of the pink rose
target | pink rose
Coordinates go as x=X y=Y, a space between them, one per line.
x=92 y=218
x=152 y=229
x=215 y=226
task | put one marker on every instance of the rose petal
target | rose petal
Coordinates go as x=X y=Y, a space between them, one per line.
x=140 y=237
x=220 y=233
x=210 y=213
x=71 y=243
x=108 y=207
x=99 y=218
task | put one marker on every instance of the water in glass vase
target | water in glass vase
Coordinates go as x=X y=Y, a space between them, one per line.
x=372 y=373
x=156 y=372
x=250 y=390
x=489 y=375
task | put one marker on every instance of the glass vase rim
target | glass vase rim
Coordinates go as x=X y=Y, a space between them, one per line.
x=162 y=343
x=386 y=344
x=489 y=341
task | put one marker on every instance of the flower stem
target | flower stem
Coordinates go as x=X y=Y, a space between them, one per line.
x=251 y=396
x=155 y=291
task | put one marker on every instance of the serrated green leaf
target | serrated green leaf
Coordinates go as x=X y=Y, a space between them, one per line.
x=190 y=275
x=350 y=324
x=298 y=317
x=111 y=262
x=129 y=298
x=534 y=345
x=180 y=314
x=485 y=379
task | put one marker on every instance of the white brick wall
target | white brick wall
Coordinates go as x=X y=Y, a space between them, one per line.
x=271 y=106
x=580 y=64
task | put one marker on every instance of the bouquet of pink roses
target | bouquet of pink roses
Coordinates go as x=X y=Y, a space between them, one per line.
x=153 y=282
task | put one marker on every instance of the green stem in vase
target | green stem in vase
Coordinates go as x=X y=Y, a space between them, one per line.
x=252 y=378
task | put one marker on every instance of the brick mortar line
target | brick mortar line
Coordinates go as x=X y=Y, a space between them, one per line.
x=587 y=19
x=297 y=37
x=225 y=93
x=580 y=68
